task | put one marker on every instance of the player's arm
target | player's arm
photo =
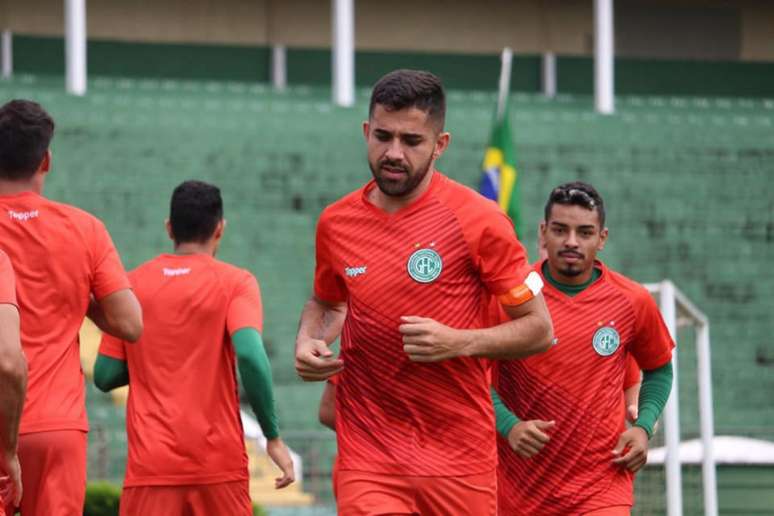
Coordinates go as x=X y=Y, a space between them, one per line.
x=528 y=332
x=632 y=383
x=118 y=314
x=526 y=438
x=327 y=411
x=110 y=373
x=320 y=325
x=13 y=384
x=255 y=373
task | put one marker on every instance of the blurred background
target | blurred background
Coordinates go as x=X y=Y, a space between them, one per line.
x=245 y=94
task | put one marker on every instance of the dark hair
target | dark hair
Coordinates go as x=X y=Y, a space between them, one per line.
x=577 y=193
x=194 y=212
x=25 y=134
x=402 y=89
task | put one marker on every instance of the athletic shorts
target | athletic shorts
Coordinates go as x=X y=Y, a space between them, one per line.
x=371 y=494
x=232 y=498
x=53 y=466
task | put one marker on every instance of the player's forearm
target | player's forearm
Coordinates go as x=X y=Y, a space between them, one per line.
x=321 y=320
x=110 y=373
x=530 y=333
x=654 y=393
x=255 y=372
x=13 y=380
x=505 y=420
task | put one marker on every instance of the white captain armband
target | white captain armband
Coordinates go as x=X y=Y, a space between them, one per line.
x=531 y=287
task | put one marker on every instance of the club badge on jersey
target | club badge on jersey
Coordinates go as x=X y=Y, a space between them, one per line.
x=606 y=341
x=424 y=265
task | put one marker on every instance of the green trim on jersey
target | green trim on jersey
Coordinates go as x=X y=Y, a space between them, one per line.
x=504 y=418
x=570 y=290
x=654 y=393
x=110 y=373
x=255 y=372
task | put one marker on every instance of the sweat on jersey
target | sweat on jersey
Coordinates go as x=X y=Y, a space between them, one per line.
x=61 y=255
x=443 y=257
x=182 y=419
x=578 y=383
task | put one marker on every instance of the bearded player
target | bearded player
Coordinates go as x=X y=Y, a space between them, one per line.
x=407 y=264
x=569 y=451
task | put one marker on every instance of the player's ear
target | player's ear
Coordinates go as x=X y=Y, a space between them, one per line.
x=441 y=144
x=602 y=239
x=219 y=229
x=45 y=163
x=366 y=127
x=168 y=225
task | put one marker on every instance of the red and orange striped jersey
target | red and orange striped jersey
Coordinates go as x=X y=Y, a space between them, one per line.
x=579 y=384
x=443 y=257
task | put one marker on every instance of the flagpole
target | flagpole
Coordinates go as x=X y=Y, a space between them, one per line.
x=505 y=81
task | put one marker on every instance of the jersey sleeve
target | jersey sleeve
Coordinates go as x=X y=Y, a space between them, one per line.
x=112 y=347
x=499 y=256
x=632 y=375
x=329 y=286
x=7 y=281
x=245 y=309
x=652 y=345
x=108 y=274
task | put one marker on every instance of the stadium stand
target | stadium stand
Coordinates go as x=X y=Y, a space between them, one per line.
x=687 y=181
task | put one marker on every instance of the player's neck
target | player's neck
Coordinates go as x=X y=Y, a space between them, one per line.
x=391 y=204
x=17 y=187
x=186 y=248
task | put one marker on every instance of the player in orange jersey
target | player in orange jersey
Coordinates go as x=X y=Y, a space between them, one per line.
x=203 y=320
x=66 y=267
x=569 y=451
x=405 y=266
x=13 y=383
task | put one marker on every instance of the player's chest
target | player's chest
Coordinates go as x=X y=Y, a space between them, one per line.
x=595 y=328
x=410 y=258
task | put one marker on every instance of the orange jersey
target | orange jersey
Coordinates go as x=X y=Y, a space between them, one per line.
x=182 y=418
x=578 y=383
x=61 y=256
x=443 y=257
x=7 y=281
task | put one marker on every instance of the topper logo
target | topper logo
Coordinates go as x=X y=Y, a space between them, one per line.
x=355 y=271
x=176 y=272
x=23 y=216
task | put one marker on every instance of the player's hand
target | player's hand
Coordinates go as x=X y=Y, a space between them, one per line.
x=315 y=361
x=527 y=438
x=631 y=452
x=280 y=455
x=426 y=340
x=10 y=482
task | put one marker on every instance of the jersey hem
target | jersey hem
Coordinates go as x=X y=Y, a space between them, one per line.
x=412 y=470
x=192 y=479
x=53 y=426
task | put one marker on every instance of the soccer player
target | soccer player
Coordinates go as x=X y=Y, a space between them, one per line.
x=569 y=451
x=203 y=319
x=13 y=383
x=66 y=267
x=406 y=265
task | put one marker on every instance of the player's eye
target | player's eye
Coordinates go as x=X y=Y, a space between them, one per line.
x=412 y=142
x=383 y=137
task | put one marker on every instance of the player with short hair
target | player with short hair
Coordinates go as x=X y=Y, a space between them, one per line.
x=569 y=451
x=406 y=264
x=203 y=319
x=66 y=268
x=13 y=384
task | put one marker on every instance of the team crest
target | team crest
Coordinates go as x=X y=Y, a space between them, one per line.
x=424 y=265
x=606 y=341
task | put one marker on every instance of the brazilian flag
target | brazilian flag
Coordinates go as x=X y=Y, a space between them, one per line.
x=499 y=177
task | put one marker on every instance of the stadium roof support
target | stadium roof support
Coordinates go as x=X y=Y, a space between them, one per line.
x=75 y=47
x=604 y=96
x=343 y=14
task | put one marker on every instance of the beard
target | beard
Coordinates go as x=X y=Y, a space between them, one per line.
x=401 y=187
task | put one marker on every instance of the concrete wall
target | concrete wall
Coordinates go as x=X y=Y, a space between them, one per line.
x=455 y=26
